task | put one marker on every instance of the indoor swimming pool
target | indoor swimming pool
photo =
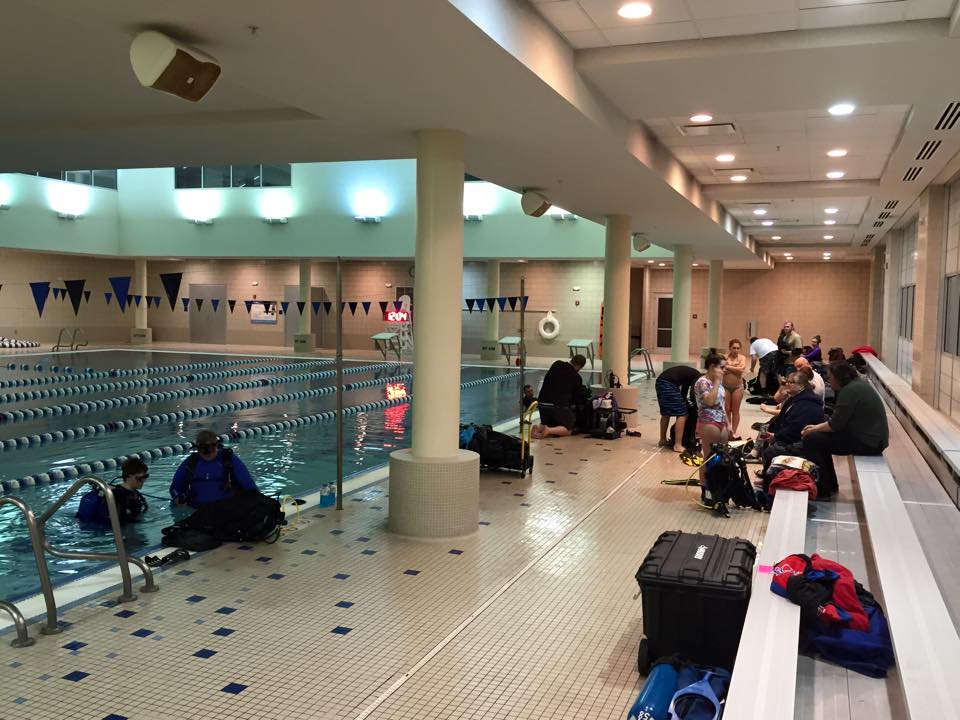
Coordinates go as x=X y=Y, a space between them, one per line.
x=99 y=406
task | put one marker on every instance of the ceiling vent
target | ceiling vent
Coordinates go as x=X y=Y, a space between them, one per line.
x=949 y=117
x=891 y=205
x=867 y=240
x=928 y=150
x=708 y=129
x=884 y=215
x=730 y=172
x=912 y=174
x=878 y=224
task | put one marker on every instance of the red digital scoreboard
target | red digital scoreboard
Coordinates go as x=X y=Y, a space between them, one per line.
x=396 y=316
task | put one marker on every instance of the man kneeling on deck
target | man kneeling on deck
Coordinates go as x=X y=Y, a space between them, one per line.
x=211 y=473
x=558 y=395
x=858 y=426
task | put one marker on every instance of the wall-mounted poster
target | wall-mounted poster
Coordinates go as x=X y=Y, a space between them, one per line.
x=263 y=313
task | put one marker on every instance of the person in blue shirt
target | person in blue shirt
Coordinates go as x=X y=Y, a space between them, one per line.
x=211 y=473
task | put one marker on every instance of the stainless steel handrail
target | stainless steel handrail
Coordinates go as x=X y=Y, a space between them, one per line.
x=36 y=542
x=120 y=556
x=78 y=335
x=60 y=344
x=648 y=370
x=23 y=638
x=78 y=339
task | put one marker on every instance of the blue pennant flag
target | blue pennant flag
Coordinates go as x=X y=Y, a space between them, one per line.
x=301 y=305
x=137 y=299
x=470 y=304
x=186 y=303
x=525 y=298
x=121 y=288
x=156 y=300
x=512 y=299
x=40 y=292
x=56 y=293
x=129 y=300
x=215 y=302
x=480 y=304
x=366 y=307
x=249 y=304
x=327 y=307
x=398 y=304
x=316 y=306
x=108 y=296
x=284 y=305
x=502 y=302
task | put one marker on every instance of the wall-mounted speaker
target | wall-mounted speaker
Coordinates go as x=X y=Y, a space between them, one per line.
x=162 y=63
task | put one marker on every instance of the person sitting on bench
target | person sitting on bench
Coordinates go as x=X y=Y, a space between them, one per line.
x=801 y=408
x=212 y=473
x=558 y=395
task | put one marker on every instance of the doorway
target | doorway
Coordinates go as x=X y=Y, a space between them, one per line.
x=664 y=322
x=208 y=324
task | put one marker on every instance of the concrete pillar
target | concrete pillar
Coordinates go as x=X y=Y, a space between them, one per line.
x=682 y=271
x=435 y=486
x=303 y=340
x=891 y=300
x=616 y=298
x=714 y=300
x=875 y=310
x=490 y=348
x=931 y=242
x=140 y=333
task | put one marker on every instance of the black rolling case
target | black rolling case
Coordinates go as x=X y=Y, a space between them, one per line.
x=695 y=594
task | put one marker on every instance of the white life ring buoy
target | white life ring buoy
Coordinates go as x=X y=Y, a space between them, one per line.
x=549 y=326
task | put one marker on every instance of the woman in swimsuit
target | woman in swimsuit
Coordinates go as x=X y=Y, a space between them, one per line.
x=733 y=384
x=711 y=413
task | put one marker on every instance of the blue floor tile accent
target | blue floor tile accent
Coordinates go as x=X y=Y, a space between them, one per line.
x=184 y=572
x=368 y=552
x=111 y=655
x=484 y=522
x=275 y=576
x=341 y=630
x=196 y=598
x=264 y=558
x=363 y=539
x=336 y=532
x=226 y=610
x=125 y=613
x=309 y=552
x=109 y=603
x=376 y=507
x=75 y=645
x=320 y=516
x=114 y=716
x=205 y=653
x=234 y=688
x=44 y=677
x=15 y=664
x=75 y=676
x=524 y=504
x=340 y=576
x=344 y=604
x=411 y=572
x=20 y=701
x=288 y=541
x=456 y=552
x=223 y=632
x=142 y=632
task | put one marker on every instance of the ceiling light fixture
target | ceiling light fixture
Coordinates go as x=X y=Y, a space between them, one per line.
x=661 y=264
x=649 y=262
x=837 y=153
x=726 y=157
x=829 y=222
x=835 y=174
x=696 y=265
x=759 y=211
x=841 y=109
x=776 y=237
x=828 y=237
x=767 y=223
x=738 y=178
x=831 y=211
x=701 y=118
x=635 y=10
x=787 y=254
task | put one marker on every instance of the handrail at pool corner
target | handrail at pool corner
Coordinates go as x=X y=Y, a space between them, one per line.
x=120 y=556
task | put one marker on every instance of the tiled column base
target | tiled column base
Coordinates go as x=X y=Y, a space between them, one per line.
x=434 y=497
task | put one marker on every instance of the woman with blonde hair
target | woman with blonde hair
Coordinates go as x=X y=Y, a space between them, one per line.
x=733 y=384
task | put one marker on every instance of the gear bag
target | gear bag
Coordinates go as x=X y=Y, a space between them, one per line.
x=248 y=516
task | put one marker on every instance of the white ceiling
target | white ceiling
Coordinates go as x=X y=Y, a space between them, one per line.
x=595 y=23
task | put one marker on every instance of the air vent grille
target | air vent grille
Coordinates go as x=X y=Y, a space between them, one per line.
x=928 y=150
x=709 y=129
x=867 y=240
x=878 y=224
x=912 y=174
x=891 y=205
x=884 y=215
x=950 y=116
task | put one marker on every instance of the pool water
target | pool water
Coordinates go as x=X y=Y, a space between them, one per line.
x=290 y=462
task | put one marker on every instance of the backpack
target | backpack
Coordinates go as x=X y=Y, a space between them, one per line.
x=608 y=424
x=728 y=481
x=248 y=516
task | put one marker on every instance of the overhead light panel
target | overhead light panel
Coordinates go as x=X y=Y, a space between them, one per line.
x=776 y=237
x=835 y=174
x=837 y=153
x=759 y=211
x=701 y=118
x=828 y=237
x=200 y=221
x=473 y=217
x=738 y=178
x=275 y=220
x=726 y=157
x=831 y=210
x=635 y=11
x=767 y=223
x=841 y=109
x=829 y=222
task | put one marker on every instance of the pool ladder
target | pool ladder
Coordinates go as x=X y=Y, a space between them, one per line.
x=648 y=370
x=41 y=546
x=77 y=339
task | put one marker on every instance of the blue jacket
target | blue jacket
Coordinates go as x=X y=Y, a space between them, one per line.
x=799 y=411
x=198 y=481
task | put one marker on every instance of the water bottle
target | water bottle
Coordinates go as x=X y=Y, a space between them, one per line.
x=325 y=496
x=333 y=494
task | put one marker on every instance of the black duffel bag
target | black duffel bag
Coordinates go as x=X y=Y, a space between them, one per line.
x=248 y=516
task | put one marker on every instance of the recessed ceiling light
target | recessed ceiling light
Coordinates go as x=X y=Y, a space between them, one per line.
x=776 y=237
x=649 y=262
x=661 y=264
x=635 y=10
x=701 y=118
x=738 y=178
x=787 y=254
x=759 y=211
x=767 y=223
x=829 y=222
x=726 y=157
x=790 y=258
x=827 y=254
x=826 y=257
x=696 y=264
x=838 y=152
x=843 y=108
x=831 y=211
x=835 y=174
x=828 y=237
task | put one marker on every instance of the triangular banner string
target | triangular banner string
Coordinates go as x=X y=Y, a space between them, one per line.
x=284 y=305
x=383 y=306
x=40 y=292
x=502 y=302
x=137 y=299
x=490 y=302
x=480 y=304
x=512 y=299
x=199 y=303
x=156 y=300
x=216 y=303
x=86 y=295
x=525 y=298
x=75 y=290
x=121 y=289
x=316 y=306
x=353 y=307
x=327 y=306
x=129 y=300
x=171 y=286
x=186 y=303
x=301 y=305
x=108 y=297
x=470 y=303
x=366 y=307
x=56 y=293
x=248 y=304
x=231 y=304
x=398 y=304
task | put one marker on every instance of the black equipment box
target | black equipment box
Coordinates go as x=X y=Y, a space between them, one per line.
x=695 y=594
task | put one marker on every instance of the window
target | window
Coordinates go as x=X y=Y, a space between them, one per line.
x=906 y=311
x=951 y=315
x=99 y=178
x=238 y=176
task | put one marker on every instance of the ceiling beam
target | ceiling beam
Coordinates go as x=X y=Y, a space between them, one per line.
x=785 y=230
x=955 y=20
x=746 y=192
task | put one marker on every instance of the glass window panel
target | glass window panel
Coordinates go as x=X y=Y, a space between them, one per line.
x=246 y=176
x=84 y=177
x=216 y=176
x=52 y=174
x=105 y=179
x=951 y=327
x=276 y=175
x=185 y=178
